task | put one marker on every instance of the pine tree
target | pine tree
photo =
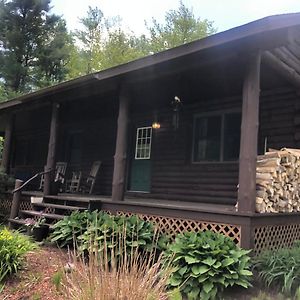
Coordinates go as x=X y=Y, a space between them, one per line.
x=30 y=37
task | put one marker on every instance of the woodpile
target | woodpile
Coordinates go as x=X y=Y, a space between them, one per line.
x=278 y=181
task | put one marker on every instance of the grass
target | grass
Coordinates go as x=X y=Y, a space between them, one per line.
x=108 y=276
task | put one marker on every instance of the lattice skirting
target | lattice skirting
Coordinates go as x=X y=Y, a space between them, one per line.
x=5 y=204
x=173 y=226
x=273 y=237
x=6 y=201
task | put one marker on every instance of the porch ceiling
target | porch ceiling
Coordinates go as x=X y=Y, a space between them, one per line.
x=285 y=61
x=231 y=45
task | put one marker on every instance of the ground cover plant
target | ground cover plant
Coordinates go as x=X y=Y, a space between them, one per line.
x=205 y=263
x=13 y=247
x=280 y=269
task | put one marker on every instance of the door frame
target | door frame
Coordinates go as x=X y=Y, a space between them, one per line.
x=132 y=156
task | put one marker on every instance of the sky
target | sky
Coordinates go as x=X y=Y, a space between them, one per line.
x=225 y=13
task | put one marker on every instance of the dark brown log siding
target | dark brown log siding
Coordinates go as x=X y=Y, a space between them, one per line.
x=174 y=176
x=278 y=113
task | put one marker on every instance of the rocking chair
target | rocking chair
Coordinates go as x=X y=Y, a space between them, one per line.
x=60 y=171
x=88 y=186
x=73 y=184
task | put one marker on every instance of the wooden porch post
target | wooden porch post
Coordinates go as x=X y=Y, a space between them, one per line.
x=6 y=155
x=51 y=158
x=249 y=133
x=120 y=158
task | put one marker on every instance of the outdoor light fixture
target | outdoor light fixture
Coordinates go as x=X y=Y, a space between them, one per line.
x=176 y=107
x=155 y=125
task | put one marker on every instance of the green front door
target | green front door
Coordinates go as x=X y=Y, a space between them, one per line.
x=140 y=175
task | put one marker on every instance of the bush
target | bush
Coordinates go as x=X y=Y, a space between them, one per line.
x=6 y=181
x=205 y=263
x=280 y=268
x=13 y=246
x=90 y=231
x=71 y=227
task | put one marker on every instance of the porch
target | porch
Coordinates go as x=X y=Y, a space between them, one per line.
x=249 y=230
x=200 y=163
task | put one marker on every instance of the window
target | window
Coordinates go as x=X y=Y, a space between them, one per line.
x=216 y=137
x=143 y=143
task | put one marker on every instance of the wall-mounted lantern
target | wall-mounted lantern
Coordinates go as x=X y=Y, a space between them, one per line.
x=176 y=107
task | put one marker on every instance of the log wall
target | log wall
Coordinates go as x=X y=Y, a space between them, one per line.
x=174 y=176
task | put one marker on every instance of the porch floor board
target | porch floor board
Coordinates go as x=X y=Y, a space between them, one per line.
x=149 y=202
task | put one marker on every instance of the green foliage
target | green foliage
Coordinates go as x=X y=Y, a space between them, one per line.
x=32 y=45
x=91 y=231
x=57 y=279
x=13 y=247
x=107 y=229
x=180 y=27
x=6 y=181
x=280 y=269
x=205 y=263
x=67 y=230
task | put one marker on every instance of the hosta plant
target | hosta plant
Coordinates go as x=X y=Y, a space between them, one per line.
x=89 y=230
x=205 y=263
x=70 y=227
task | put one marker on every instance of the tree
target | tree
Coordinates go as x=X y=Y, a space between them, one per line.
x=121 y=47
x=180 y=27
x=90 y=38
x=29 y=34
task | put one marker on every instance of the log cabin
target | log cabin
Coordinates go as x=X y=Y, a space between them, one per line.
x=177 y=134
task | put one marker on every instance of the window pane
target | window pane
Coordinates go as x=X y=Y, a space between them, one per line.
x=207 y=138
x=143 y=143
x=232 y=133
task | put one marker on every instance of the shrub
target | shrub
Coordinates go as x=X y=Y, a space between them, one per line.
x=137 y=276
x=71 y=227
x=91 y=230
x=280 y=268
x=13 y=246
x=205 y=263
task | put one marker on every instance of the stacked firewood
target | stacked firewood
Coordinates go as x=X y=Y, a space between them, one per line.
x=278 y=181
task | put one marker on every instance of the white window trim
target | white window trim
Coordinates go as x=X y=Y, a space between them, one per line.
x=136 y=143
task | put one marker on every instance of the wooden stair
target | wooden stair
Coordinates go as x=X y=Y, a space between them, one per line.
x=53 y=209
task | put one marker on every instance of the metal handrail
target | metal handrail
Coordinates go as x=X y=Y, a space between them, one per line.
x=30 y=179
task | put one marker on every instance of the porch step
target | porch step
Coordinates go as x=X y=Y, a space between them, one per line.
x=38 y=214
x=23 y=222
x=83 y=198
x=71 y=201
x=58 y=206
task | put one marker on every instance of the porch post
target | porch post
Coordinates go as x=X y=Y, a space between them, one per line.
x=120 y=158
x=249 y=133
x=51 y=158
x=6 y=155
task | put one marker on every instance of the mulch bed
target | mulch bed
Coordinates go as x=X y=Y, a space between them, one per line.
x=35 y=280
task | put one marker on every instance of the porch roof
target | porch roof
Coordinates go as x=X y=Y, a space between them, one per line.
x=266 y=33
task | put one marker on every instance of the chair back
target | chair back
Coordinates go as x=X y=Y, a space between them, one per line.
x=60 y=171
x=75 y=182
x=95 y=169
x=93 y=175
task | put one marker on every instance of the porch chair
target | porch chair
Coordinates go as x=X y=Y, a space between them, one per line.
x=60 y=171
x=73 y=184
x=88 y=185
